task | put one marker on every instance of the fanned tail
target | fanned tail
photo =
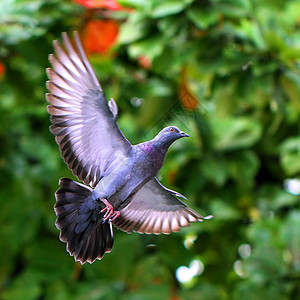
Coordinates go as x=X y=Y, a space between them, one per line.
x=80 y=222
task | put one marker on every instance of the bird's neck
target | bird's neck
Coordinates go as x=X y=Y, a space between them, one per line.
x=162 y=144
x=152 y=147
x=154 y=150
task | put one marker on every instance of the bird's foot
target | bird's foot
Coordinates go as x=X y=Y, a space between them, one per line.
x=110 y=213
x=114 y=216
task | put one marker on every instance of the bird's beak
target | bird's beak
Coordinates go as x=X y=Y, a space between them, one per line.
x=183 y=134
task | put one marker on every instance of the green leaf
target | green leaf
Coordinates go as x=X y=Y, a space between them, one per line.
x=171 y=25
x=150 y=47
x=215 y=169
x=26 y=286
x=252 y=31
x=59 y=291
x=203 y=18
x=133 y=29
x=168 y=7
x=236 y=133
x=243 y=166
x=49 y=260
x=233 y=8
x=150 y=292
x=136 y=4
x=290 y=233
x=222 y=211
x=289 y=155
x=291 y=84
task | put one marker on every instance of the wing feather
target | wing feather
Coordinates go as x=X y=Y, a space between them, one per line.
x=156 y=209
x=84 y=124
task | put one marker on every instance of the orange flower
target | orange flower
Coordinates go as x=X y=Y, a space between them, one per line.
x=2 y=70
x=109 y=4
x=100 y=35
x=187 y=98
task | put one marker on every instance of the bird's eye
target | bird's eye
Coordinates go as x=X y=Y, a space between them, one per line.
x=171 y=129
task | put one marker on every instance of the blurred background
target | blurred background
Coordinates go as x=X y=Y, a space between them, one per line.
x=228 y=73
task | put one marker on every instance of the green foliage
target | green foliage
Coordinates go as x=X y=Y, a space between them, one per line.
x=241 y=62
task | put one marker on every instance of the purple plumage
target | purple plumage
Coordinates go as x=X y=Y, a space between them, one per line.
x=124 y=190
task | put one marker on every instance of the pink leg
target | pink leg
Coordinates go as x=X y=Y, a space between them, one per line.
x=110 y=214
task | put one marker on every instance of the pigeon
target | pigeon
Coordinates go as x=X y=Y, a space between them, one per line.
x=119 y=186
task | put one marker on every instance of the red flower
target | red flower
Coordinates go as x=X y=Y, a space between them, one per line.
x=109 y=4
x=2 y=70
x=100 y=35
x=144 y=62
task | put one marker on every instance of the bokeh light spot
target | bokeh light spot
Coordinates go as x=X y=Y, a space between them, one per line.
x=185 y=274
x=292 y=186
x=244 y=250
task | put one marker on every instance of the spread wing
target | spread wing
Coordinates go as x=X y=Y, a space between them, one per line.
x=156 y=209
x=84 y=123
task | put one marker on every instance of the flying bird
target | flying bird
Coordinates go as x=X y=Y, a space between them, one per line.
x=120 y=186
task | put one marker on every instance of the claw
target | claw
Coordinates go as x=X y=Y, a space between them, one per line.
x=110 y=213
x=114 y=216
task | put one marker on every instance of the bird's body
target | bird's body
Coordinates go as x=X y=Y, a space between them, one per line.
x=124 y=190
x=131 y=173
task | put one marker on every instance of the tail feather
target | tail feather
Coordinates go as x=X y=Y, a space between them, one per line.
x=80 y=222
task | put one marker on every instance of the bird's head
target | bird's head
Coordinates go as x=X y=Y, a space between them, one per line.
x=169 y=135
